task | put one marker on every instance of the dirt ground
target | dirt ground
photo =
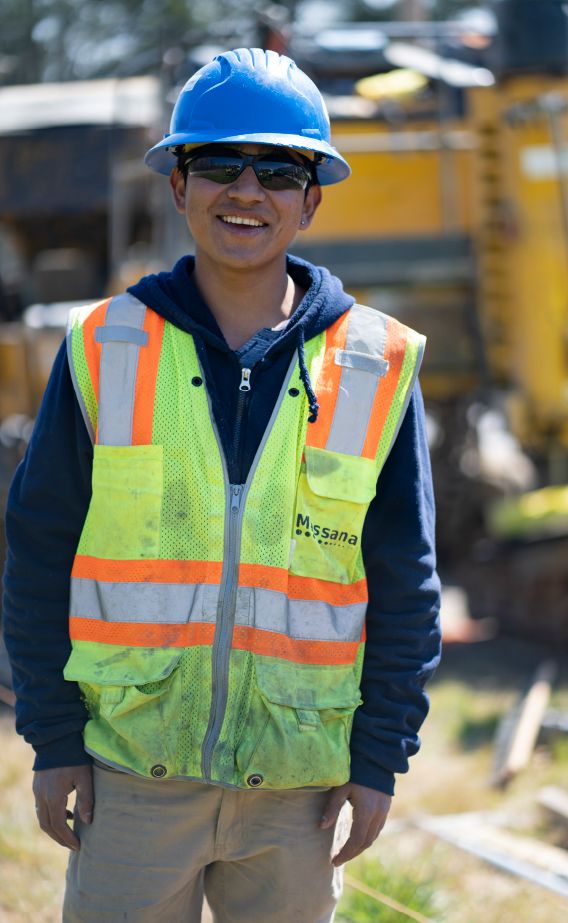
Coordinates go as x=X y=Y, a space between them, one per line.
x=474 y=687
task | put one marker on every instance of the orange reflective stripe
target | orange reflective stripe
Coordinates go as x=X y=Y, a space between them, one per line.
x=394 y=354
x=142 y=634
x=336 y=594
x=280 y=581
x=192 y=634
x=327 y=385
x=92 y=349
x=150 y=571
x=272 y=644
x=146 y=379
x=266 y=578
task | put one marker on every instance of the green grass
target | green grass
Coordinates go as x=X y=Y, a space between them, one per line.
x=413 y=887
x=475 y=731
x=559 y=748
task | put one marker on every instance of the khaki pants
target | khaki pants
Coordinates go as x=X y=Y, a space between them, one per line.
x=155 y=848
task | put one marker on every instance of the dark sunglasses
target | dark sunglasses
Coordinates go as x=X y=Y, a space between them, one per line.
x=273 y=171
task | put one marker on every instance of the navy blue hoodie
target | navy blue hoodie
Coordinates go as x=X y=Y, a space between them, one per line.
x=50 y=495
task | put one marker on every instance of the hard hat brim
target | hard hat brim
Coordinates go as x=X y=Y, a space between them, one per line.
x=333 y=169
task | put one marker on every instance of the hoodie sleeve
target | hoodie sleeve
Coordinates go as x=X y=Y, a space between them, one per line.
x=46 y=509
x=403 y=632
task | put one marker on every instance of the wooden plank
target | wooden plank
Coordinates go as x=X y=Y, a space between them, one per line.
x=7 y=696
x=518 y=855
x=5 y=672
x=555 y=800
x=518 y=732
x=555 y=720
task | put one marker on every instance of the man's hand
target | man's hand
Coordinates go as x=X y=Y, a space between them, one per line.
x=370 y=809
x=51 y=788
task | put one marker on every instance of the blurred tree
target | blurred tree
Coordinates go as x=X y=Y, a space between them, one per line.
x=73 y=39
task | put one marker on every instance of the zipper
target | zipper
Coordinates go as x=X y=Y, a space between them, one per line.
x=234 y=509
x=224 y=627
x=242 y=401
x=227 y=590
x=245 y=380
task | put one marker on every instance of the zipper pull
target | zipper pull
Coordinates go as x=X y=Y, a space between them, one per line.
x=245 y=380
x=236 y=492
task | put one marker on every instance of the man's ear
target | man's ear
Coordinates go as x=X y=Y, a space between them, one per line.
x=311 y=203
x=177 y=183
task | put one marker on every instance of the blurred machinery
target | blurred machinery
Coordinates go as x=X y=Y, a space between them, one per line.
x=456 y=221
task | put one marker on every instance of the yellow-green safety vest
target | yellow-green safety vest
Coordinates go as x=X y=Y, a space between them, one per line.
x=218 y=629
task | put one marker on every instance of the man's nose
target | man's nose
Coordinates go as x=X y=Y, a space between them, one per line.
x=246 y=187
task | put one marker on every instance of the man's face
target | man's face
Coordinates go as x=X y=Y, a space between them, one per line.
x=215 y=213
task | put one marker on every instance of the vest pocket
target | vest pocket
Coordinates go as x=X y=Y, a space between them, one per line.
x=299 y=725
x=134 y=700
x=333 y=495
x=124 y=517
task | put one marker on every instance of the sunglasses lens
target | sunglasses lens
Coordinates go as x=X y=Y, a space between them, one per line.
x=218 y=169
x=276 y=175
x=273 y=175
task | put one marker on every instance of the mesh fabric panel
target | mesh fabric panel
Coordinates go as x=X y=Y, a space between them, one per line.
x=79 y=359
x=194 y=496
x=240 y=692
x=268 y=525
x=195 y=705
x=407 y=373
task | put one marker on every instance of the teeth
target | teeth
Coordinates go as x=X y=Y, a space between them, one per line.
x=232 y=219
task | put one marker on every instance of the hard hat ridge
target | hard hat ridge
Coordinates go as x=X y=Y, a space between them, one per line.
x=249 y=95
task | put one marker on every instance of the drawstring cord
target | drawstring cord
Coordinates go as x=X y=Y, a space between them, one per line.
x=305 y=378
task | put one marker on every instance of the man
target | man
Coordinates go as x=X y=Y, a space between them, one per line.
x=205 y=467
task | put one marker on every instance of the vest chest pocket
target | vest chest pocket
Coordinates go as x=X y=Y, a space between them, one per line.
x=333 y=495
x=124 y=517
x=299 y=725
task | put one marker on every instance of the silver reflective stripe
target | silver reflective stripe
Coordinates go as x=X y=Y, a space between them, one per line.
x=156 y=603
x=176 y=604
x=121 y=334
x=362 y=361
x=119 y=364
x=308 y=619
x=363 y=365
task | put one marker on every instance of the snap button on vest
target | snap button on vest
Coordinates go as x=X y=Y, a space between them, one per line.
x=293 y=392
x=196 y=381
x=255 y=780
x=159 y=771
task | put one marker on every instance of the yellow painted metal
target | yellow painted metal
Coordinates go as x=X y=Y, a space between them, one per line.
x=521 y=233
x=395 y=83
x=396 y=185
x=498 y=175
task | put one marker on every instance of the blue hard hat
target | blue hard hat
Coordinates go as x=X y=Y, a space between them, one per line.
x=256 y=97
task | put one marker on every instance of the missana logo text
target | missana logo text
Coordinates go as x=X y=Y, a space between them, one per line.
x=324 y=535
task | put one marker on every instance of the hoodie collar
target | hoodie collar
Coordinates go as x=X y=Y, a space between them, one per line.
x=175 y=296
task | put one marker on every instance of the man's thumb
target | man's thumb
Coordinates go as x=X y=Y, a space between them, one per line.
x=336 y=800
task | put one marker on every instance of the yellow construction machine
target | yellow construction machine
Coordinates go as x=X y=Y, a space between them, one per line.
x=456 y=221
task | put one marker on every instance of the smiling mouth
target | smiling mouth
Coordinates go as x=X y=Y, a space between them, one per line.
x=249 y=222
